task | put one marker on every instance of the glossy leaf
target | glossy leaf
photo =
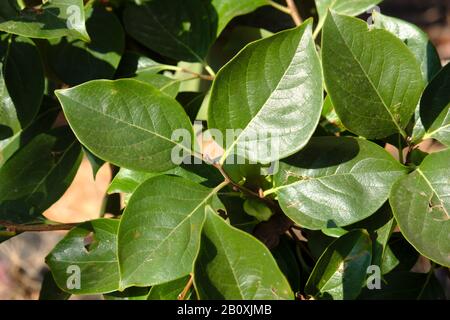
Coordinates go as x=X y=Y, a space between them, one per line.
x=234 y=265
x=340 y=272
x=416 y=40
x=279 y=106
x=421 y=206
x=20 y=97
x=162 y=224
x=373 y=79
x=121 y=127
x=38 y=175
x=229 y=9
x=335 y=181
x=435 y=107
x=75 y=61
x=177 y=29
x=55 y=19
x=88 y=251
x=50 y=290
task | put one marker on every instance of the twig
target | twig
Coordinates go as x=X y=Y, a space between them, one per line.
x=294 y=12
x=13 y=227
x=186 y=289
x=234 y=184
x=280 y=7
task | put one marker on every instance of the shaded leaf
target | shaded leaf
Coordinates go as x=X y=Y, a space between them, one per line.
x=435 y=107
x=234 y=265
x=169 y=290
x=38 y=174
x=55 y=19
x=177 y=29
x=340 y=272
x=75 y=61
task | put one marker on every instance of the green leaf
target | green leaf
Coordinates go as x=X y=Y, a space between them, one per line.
x=177 y=29
x=284 y=254
x=127 y=181
x=340 y=272
x=38 y=174
x=167 y=85
x=228 y=9
x=55 y=19
x=132 y=293
x=162 y=224
x=335 y=181
x=406 y=285
x=257 y=209
x=347 y=7
x=43 y=122
x=234 y=265
x=373 y=79
x=421 y=206
x=128 y=130
x=50 y=290
x=169 y=290
x=20 y=96
x=435 y=107
x=279 y=106
x=95 y=162
x=88 y=251
x=74 y=61
x=416 y=40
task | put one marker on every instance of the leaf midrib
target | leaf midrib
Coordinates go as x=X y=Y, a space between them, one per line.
x=129 y=124
x=402 y=132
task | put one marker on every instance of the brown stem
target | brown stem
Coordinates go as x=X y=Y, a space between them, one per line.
x=294 y=12
x=13 y=227
x=234 y=184
x=198 y=75
x=186 y=289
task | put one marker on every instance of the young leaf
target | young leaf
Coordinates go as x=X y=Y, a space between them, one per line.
x=20 y=96
x=177 y=29
x=162 y=224
x=421 y=206
x=435 y=107
x=373 y=79
x=234 y=265
x=125 y=128
x=228 y=9
x=335 y=181
x=340 y=272
x=85 y=261
x=38 y=175
x=276 y=106
x=55 y=19
x=416 y=40
x=75 y=61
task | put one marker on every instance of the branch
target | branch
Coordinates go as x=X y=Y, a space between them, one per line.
x=294 y=12
x=13 y=227
x=236 y=185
